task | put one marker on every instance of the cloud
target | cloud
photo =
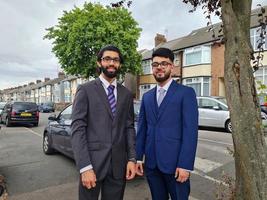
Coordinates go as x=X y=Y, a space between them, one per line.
x=25 y=56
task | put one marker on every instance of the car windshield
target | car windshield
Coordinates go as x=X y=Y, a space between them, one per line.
x=22 y=106
x=223 y=100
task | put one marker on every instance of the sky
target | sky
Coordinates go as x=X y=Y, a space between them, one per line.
x=26 y=57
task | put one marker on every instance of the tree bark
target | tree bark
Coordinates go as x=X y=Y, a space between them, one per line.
x=248 y=136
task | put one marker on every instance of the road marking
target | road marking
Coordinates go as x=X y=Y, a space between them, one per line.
x=192 y=198
x=215 y=148
x=214 y=141
x=210 y=178
x=33 y=132
x=205 y=165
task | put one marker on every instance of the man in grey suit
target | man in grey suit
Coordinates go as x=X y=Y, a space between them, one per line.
x=103 y=135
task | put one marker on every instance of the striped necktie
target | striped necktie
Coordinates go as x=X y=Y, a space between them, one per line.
x=111 y=99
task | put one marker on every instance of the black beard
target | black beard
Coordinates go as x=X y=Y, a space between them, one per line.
x=109 y=74
x=162 y=79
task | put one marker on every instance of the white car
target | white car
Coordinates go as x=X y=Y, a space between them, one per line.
x=213 y=112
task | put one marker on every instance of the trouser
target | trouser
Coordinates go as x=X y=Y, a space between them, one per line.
x=162 y=186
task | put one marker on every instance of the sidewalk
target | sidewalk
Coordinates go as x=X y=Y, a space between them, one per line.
x=135 y=190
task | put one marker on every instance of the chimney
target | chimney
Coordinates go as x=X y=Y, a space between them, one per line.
x=160 y=39
x=38 y=81
x=61 y=75
x=46 y=79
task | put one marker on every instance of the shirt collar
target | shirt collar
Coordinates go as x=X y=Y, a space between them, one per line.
x=106 y=83
x=166 y=86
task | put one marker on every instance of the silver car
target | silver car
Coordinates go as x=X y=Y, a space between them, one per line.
x=213 y=112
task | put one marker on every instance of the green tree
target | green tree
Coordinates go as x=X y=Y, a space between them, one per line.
x=248 y=136
x=81 y=33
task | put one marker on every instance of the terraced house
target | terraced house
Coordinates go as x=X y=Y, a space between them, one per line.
x=199 y=60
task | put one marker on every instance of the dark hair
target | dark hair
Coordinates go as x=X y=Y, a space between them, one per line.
x=163 y=52
x=109 y=48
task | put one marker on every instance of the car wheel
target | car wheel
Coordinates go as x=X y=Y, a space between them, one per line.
x=47 y=148
x=228 y=126
x=8 y=124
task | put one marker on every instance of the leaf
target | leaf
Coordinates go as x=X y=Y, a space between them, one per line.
x=82 y=32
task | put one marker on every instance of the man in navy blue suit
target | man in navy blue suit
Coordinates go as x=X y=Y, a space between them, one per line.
x=167 y=132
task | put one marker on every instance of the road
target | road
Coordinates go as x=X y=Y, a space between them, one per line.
x=32 y=175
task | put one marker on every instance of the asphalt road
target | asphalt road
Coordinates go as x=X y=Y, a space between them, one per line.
x=32 y=175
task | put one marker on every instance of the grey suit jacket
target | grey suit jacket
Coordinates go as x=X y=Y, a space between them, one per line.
x=98 y=138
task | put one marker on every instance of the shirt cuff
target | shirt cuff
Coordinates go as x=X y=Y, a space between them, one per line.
x=139 y=161
x=186 y=170
x=86 y=168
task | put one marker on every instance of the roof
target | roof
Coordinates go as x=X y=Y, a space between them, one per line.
x=200 y=36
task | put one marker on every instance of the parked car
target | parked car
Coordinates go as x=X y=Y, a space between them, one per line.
x=20 y=113
x=57 y=133
x=213 y=112
x=2 y=105
x=46 y=107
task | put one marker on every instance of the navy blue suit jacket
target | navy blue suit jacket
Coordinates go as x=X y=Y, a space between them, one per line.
x=167 y=135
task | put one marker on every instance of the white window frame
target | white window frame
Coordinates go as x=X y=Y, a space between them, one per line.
x=195 y=49
x=263 y=77
x=254 y=33
x=197 y=80
x=146 y=67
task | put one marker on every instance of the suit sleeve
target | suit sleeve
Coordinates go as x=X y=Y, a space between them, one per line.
x=130 y=130
x=141 y=133
x=189 y=130
x=79 y=129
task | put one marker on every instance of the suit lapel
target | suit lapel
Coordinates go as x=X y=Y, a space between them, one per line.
x=103 y=96
x=167 y=98
x=154 y=102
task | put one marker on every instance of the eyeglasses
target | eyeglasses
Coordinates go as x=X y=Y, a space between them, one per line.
x=163 y=64
x=108 y=59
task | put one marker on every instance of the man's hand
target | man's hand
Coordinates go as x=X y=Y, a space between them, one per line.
x=139 y=168
x=181 y=175
x=88 y=179
x=130 y=171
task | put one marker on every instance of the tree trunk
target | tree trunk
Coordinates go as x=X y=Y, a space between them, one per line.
x=250 y=146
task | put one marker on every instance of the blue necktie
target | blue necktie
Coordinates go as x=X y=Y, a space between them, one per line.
x=111 y=99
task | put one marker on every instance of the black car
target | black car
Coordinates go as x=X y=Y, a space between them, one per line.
x=57 y=134
x=20 y=113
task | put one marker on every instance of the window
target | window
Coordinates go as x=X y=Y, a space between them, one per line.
x=146 y=65
x=201 y=85
x=145 y=88
x=255 y=38
x=207 y=103
x=261 y=75
x=176 y=60
x=197 y=55
x=66 y=114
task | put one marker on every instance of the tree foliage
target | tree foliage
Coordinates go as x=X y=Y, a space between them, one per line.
x=81 y=33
